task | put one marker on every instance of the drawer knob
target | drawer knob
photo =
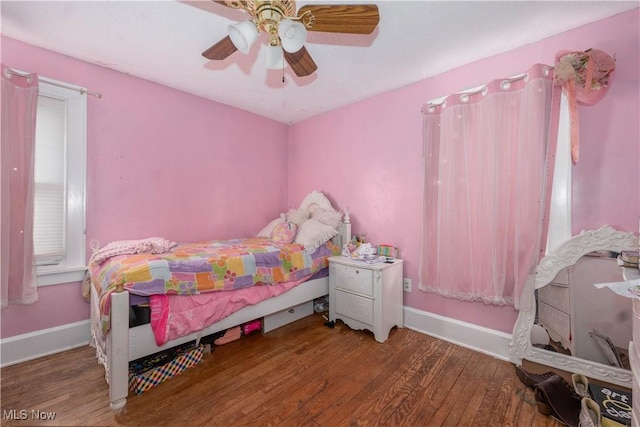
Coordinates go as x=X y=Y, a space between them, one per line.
x=291 y=310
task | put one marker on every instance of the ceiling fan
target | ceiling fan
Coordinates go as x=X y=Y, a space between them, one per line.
x=287 y=31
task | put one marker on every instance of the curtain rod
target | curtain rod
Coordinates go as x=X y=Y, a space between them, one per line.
x=481 y=89
x=51 y=82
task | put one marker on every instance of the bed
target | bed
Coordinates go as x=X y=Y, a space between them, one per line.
x=117 y=280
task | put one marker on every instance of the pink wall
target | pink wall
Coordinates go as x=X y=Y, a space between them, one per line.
x=144 y=180
x=368 y=155
x=160 y=163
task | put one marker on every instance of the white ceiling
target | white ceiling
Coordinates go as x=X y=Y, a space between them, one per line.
x=162 y=41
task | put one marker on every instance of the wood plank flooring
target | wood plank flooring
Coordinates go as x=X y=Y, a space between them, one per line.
x=303 y=374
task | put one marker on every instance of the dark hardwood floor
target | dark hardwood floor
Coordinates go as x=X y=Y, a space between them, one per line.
x=303 y=374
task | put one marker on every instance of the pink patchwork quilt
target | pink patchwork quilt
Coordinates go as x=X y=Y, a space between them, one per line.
x=216 y=266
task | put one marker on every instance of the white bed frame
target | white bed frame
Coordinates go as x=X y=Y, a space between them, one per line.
x=123 y=344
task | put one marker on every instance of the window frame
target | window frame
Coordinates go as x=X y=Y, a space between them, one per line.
x=72 y=268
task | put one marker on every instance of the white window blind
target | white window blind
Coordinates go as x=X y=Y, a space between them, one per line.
x=50 y=194
x=60 y=183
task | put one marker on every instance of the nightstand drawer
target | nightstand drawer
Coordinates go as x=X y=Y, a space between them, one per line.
x=354 y=306
x=353 y=279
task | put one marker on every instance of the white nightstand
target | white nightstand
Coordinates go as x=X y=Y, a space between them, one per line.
x=366 y=296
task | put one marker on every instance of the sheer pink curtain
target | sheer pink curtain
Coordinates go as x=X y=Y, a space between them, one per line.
x=19 y=103
x=484 y=183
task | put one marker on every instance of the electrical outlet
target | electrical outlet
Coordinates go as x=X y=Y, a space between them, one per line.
x=406 y=283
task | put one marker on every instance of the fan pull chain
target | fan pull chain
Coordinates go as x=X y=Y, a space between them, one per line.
x=282 y=68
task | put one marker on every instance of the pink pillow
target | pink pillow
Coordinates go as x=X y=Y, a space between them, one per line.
x=284 y=233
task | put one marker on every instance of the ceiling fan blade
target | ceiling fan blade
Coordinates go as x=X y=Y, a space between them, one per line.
x=350 y=19
x=236 y=4
x=301 y=62
x=220 y=50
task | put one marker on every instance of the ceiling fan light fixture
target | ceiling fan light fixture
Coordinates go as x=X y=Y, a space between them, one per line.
x=243 y=35
x=286 y=26
x=275 y=58
x=292 y=35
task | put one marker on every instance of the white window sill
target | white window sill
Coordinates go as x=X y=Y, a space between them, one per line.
x=56 y=276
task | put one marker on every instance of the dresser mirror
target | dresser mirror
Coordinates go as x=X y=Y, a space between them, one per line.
x=567 y=323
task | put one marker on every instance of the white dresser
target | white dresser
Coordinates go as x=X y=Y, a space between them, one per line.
x=570 y=307
x=634 y=352
x=366 y=296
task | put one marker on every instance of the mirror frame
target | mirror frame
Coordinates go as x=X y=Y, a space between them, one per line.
x=605 y=238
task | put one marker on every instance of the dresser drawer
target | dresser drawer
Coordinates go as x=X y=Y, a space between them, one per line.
x=555 y=296
x=635 y=392
x=354 y=306
x=562 y=277
x=635 y=364
x=353 y=279
x=555 y=320
x=636 y=323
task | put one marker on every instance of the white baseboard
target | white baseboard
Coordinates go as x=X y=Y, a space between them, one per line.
x=474 y=337
x=41 y=343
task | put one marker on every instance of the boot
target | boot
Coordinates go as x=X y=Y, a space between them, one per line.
x=589 y=413
x=580 y=385
x=530 y=379
x=555 y=397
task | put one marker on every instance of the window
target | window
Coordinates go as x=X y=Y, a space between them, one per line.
x=60 y=182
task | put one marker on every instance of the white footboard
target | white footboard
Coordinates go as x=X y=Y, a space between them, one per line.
x=118 y=350
x=112 y=349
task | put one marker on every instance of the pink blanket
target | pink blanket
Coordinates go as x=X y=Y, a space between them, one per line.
x=173 y=316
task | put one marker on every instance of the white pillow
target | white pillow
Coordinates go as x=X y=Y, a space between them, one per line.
x=312 y=234
x=266 y=231
x=329 y=217
x=318 y=198
x=297 y=216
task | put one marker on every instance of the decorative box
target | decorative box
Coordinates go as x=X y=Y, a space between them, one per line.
x=388 y=251
x=139 y=383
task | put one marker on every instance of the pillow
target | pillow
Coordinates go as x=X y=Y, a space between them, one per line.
x=326 y=216
x=312 y=234
x=318 y=198
x=297 y=216
x=266 y=231
x=284 y=233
